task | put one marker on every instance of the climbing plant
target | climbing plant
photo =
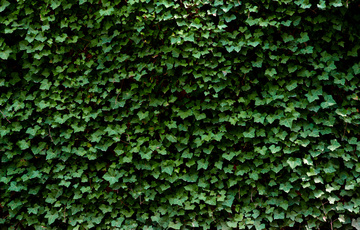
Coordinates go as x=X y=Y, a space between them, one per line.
x=177 y=114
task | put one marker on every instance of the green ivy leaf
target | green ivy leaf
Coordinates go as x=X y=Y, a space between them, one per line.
x=175 y=40
x=80 y=151
x=304 y=37
x=171 y=138
x=45 y=84
x=117 y=222
x=167 y=169
x=279 y=215
x=23 y=144
x=112 y=176
x=292 y=85
x=185 y=114
x=274 y=149
x=356 y=223
x=175 y=225
x=202 y=164
x=250 y=133
x=55 y=4
x=322 y=5
x=286 y=188
x=270 y=118
x=336 y=3
x=232 y=224
x=3 y=5
x=329 y=101
x=270 y=72
x=196 y=23
x=189 y=37
x=259 y=226
x=52 y=217
x=287 y=38
x=311 y=97
x=32 y=131
x=36 y=149
x=334 y=145
x=356 y=69
x=142 y=115
x=34 y=210
x=15 y=204
x=294 y=162
x=229 y=156
x=259 y=118
x=286 y=122
x=106 y=12
x=4 y=54
x=190 y=177
x=229 y=18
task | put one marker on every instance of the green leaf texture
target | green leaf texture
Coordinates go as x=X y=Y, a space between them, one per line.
x=164 y=114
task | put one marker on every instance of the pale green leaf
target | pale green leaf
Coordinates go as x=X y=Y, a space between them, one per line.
x=334 y=145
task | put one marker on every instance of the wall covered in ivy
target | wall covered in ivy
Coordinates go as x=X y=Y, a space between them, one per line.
x=179 y=114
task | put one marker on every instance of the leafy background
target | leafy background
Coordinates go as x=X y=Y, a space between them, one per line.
x=179 y=114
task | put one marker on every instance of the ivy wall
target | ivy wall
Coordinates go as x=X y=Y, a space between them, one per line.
x=163 y=114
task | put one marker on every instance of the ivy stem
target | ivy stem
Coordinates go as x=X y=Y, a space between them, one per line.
x=50 y=136
x=331 y=225
x=64 y=221
x=344 y=132
x=5 y=116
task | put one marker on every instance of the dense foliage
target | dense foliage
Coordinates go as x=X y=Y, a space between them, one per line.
x=155 y=114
